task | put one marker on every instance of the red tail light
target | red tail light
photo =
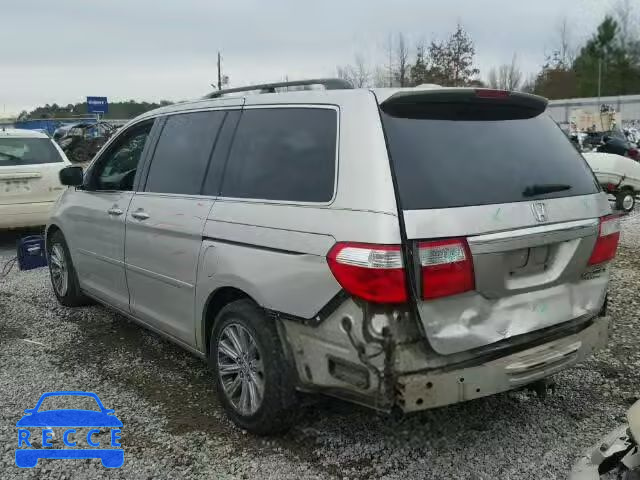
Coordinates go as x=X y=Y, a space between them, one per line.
x=372 y=272
x=634 y=153
x=607 y=242
x=488 y=93
x=447 y=268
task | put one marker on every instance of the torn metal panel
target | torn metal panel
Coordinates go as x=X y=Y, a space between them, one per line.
x=469 y=321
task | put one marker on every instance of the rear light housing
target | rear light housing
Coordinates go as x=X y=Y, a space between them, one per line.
x=607 y=242
x=376 y=272
x=371 y=272
x=634 y=153
x=446 y=268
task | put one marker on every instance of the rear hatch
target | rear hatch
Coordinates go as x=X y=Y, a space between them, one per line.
x=29 y=169
x=503 y=217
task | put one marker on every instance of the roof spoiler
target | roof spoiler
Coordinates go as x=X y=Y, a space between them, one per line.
x=457 y=103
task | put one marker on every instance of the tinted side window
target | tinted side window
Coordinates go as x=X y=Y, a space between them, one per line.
x=283 y=154
x=117 y=169
x=182 y=154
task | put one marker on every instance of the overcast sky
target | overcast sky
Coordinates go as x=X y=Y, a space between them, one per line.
x=61 y=51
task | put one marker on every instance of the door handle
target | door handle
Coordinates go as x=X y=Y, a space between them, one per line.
x=140 y=215
x=115 y=211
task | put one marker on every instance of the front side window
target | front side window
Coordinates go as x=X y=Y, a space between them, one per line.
x=117 y=169
x=182 y=154
x=283 y=154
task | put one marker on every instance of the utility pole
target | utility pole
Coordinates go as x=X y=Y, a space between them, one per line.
x=219 y=73
x=599 y=79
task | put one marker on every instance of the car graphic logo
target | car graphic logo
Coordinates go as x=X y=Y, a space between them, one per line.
x=539 y=211
x=73 y=421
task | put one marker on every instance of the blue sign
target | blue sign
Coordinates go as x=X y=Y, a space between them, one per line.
x=69 y=419
x=97 y=105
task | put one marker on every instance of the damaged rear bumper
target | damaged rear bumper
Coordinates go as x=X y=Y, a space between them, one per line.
x=429 y=389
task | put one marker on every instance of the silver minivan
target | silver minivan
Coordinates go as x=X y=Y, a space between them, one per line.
x=398 y=248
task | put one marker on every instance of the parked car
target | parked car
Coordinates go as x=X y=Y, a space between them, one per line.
x=618 y=176
x=406 y=248
x=613 y=141
x=29 y=183
x=81 y=141
x=618 y=452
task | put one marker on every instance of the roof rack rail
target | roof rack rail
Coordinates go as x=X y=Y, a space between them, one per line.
x=328 y=83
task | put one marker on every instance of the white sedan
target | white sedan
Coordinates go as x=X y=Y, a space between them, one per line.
x=29 y=183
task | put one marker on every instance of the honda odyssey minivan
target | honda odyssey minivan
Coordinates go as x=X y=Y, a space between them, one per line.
x=398 y=248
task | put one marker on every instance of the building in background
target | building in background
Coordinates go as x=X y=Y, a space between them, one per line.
x=582 y=111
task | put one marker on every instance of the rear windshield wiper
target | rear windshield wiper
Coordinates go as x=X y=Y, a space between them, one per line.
x=535 y=190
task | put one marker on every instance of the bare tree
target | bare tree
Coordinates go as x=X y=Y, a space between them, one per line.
x=379 y=77
x=529 y=85
x=627 y=18
x=363 y=74
x=357 y=74
x=402 y=61
x=390 y=66
x=507 y=76
x=492 y=79
x=563 y=47
x=513 y=74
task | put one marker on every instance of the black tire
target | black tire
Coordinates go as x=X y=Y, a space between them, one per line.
x=278 y=405
x=71 y=296
x=620 y=199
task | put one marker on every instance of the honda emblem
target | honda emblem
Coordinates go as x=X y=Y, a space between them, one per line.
x=539 y=211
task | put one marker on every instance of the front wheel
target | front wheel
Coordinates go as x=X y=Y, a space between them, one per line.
x=625 y=200
x=253 y=378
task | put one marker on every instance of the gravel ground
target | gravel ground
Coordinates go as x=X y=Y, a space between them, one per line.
x=174 y=427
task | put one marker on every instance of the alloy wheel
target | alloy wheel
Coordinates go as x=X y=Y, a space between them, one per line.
x=627 y=202
x=59 y=270
x=240 y=369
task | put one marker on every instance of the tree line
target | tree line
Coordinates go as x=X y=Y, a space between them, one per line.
x=607 y=63
x=449 y=61
x=117 y=110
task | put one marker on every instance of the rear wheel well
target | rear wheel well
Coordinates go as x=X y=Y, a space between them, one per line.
x=217 y=301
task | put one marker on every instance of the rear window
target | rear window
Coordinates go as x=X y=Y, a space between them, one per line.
x=462 y=162
x=27 y=151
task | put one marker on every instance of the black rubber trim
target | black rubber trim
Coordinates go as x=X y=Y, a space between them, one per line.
x=253 y=245
x=319 y=317
x=409 y=256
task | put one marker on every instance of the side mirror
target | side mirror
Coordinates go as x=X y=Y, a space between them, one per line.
x=71 y=176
